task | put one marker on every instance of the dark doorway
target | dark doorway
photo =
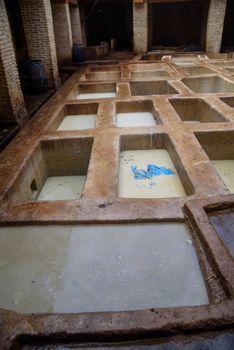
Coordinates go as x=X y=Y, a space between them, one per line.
x=17 y=30
x=106 y=20
x=178 y=24
x=228 y=29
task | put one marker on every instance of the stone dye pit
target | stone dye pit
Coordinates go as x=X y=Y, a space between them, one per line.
x=88 y=92
x=99 y=268
x=117 y=207
x=164 y=184
x=135 y=114
x=78 y=122
x=62 y=187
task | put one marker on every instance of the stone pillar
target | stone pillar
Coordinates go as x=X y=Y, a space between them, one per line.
x=215 y=23
x=76 y=24
x=140 y=26
x=39 y=33
x=62 y=31
x=83 y=26
x=12 y=106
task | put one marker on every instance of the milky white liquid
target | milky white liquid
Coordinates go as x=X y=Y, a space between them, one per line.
x=225 y=169
x=62 y=188
x=78 y=122
x=135 y=119
x=157 y=187
x=99 y=268
x=96 y=95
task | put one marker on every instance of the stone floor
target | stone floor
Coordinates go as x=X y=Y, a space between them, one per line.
x=179 y=112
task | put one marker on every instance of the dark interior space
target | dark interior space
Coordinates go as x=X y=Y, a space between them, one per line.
x=33 y=100
x=228 y=30
x=9 y=128
x=178 y=24
x=106 y=20
x=17 y=30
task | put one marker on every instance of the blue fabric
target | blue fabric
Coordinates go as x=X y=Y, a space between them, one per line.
x=155 y=170
x=152 y=170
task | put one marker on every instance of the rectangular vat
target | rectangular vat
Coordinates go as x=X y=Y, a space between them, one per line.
x=94 y=268
x=196 y=109
x=96 y=91
x=138 y=175
x=103 y=76
x=219 y=146
x=56 y=170
x=196 y=70
x=224 y=64
x=214 y=84
x=223 y=223
x=146 y=67
x=160 y=87
x=136 y=113
x=76 y=117
x=149 y=74
x=105 y=69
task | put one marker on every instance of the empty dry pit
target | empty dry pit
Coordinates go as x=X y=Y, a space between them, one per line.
x=230 y=70
x=136 y=113
x=146 y=67
x=219 y=146
x=149 y=167
x=103 y=76
x=229 y=101
x=98 y=268
x=160 y=87
x=105 y=69
x=196 y=70
x=76 y=117
x=149 y=74
x=214 y=84
x=196 y=110
x=56 y=170
x=95 y=91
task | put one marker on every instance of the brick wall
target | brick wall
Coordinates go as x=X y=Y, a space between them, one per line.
x=39 y=33
x=76 y=25
x=62 y=31
x=12 y=106
x=215 y=23
x=140 y=27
